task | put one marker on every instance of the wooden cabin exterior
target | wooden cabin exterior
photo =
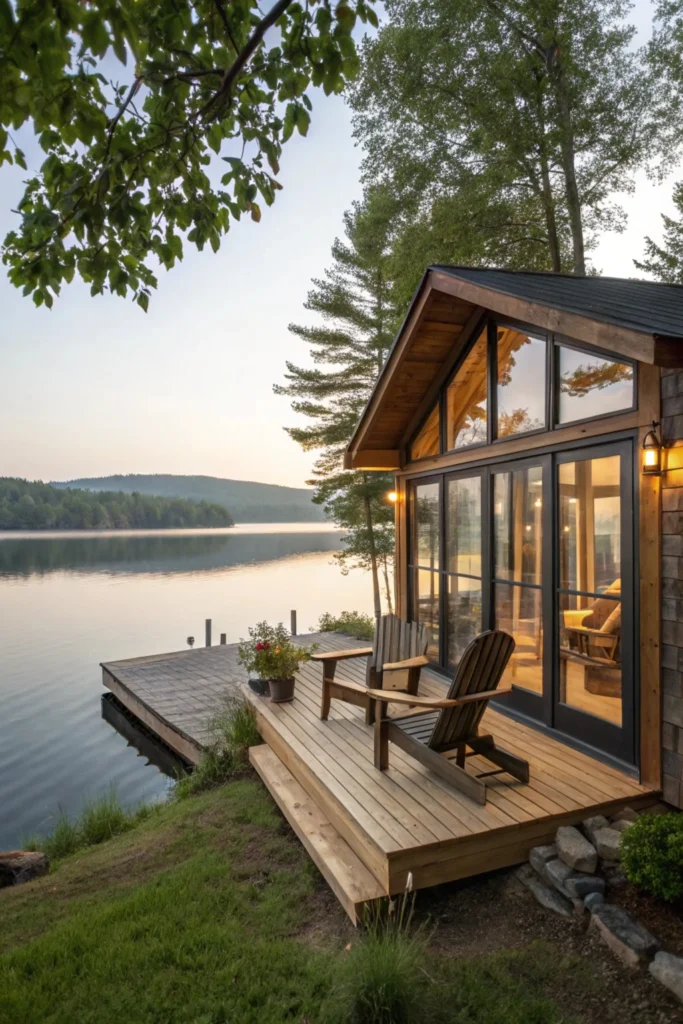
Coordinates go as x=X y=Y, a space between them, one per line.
x=513 y=409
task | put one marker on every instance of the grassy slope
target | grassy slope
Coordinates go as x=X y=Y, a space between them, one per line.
x=209 y=912
x=247 y=501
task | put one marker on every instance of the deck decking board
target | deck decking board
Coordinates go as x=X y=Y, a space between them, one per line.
x=403 y=820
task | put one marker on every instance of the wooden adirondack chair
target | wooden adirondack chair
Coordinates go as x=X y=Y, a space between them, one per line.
x=394 y=662
x=452 y=723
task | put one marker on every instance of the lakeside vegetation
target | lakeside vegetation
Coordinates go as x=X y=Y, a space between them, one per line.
x=246 y=500
x=26 y=505
x=215 y=888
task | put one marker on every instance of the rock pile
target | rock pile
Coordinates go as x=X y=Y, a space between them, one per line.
x=571 y=876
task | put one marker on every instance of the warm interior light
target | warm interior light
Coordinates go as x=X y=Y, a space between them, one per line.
x=572 y=501
x=538 y=503
x=392 y=495
x=566 y=529
x=652 y=452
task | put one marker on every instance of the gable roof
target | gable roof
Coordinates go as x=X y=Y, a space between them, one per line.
x=635 y=304
x=641 y=320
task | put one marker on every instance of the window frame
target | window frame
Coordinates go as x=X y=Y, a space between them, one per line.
x=590 y=350
x=552 y=339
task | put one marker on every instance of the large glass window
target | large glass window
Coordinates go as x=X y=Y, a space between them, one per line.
x=466 y=413
x=463 y=564
x=518 y=593
x=426 y=558
x=590 y=385
x=590 y=586
x=521 y=390
x=538 y=383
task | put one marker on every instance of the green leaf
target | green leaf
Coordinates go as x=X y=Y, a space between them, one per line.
x=143 y=301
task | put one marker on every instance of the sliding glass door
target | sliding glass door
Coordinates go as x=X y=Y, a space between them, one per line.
x=594 y=597
x=542 y=548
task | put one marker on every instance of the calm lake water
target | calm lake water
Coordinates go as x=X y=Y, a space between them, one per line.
x=70 y=601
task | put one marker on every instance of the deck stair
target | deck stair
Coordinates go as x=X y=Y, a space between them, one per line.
x=344 y=872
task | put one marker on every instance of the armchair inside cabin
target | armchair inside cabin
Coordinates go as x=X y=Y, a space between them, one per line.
x=394 y=662
x=591 y=639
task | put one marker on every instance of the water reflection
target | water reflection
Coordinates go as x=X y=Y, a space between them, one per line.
x=68 y=603
x=163 y=554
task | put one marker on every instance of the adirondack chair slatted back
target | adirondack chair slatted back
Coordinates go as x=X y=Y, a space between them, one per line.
x=480 y=669
x=395 y=640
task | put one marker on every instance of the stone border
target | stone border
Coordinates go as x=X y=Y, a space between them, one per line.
x=570 y=876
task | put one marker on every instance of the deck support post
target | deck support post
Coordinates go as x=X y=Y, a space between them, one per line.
x=207 y=631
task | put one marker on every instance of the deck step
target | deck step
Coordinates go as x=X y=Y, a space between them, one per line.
x=344 y=872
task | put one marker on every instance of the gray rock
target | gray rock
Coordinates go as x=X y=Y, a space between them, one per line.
x=547 y=897
x=621 y=825
x=582 y=885
x=558 y=873
x=575 y=850
x=17 y=866
x=592 y=900
x=668 y=969
x=623 y=934
x=539 y=856
x=626 y=814
x=591 y=825
x=608 y=843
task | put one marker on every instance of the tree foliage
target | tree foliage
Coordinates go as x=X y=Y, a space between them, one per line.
x=506 y=125
x=348 y=346
x=129 y=99
x=38 y=506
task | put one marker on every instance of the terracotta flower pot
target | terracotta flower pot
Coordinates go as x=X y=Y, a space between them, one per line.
x=281 y=690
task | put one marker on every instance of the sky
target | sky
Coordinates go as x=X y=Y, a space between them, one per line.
x=95 y=386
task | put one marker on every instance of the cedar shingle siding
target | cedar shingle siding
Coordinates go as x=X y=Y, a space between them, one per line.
x=672 y=590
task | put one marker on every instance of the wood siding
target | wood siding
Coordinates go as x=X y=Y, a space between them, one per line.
x=672 y=588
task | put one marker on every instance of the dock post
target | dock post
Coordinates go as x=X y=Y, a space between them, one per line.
x=224 y=638
x=292 y=622
x=208 y=632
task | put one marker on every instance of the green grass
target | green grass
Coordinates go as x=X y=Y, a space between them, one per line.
x=351 y=623
x=100 y=819
x=209 y=911
x=233 y=730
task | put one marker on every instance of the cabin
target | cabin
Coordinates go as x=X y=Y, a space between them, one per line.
x=534 y=424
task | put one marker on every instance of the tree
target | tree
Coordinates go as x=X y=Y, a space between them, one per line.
x=526 y=114
x=349 y=347
x=126 y=176
x=665 y=262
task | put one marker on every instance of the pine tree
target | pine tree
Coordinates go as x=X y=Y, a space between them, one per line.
x=348 y=348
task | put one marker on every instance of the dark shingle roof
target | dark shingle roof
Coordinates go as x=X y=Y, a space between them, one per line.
x=646 y=306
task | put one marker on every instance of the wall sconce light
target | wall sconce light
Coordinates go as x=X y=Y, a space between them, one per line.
x=652 y=452
x=392 y=496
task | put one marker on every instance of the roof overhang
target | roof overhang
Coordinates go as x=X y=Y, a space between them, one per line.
x=442 y=317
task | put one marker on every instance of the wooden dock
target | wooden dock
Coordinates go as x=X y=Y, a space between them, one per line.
x=368 y=831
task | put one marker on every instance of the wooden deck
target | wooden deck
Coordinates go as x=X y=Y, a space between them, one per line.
x=367 y=830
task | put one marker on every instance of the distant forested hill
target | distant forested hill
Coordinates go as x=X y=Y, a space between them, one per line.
x=248 y=502
x=38 y=506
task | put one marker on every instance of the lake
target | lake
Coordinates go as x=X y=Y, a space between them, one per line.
x=71 y=600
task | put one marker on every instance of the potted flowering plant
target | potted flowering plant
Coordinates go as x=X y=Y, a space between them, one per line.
x=270 y=653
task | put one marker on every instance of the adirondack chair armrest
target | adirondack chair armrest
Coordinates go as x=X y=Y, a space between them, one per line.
x=349 y=652
x=472 y=698
x=418 y=662
x=397 y=697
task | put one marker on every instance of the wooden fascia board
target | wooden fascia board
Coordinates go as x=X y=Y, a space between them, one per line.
x=624 y=341
x=372 y=458
x=413 y=321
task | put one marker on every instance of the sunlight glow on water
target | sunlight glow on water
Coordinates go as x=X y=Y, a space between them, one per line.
x=71 y=602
